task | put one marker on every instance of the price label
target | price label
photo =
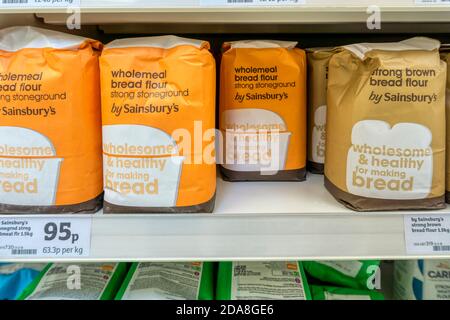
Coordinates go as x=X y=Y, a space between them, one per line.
x=427 y=234
x=39 y=3
x=248 y=3
x=45 y=237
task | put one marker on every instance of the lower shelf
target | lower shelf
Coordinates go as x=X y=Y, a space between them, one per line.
x=253 y=221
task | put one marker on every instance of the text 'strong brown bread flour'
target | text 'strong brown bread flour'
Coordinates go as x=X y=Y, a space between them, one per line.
x=385 y=144
x=158 y=107
x=318 y=59
x=50 y=122
x=263 y=111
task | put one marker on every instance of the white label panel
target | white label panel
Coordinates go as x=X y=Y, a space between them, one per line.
x=427 y=234
x=45 y=237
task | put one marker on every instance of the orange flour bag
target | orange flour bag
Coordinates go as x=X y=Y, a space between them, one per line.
x=50 y=122
x=263 y=111
x=158 y=105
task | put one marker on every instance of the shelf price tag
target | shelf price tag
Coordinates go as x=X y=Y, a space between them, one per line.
x=39 y=3
x=427 y=234
x=35 y=237
x=249 y=3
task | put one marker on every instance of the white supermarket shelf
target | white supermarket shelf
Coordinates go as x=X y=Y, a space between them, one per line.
x=253 y=221
x=195 y=11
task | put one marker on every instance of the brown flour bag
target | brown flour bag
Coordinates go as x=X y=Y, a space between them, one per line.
x=447 y=194
x=263 y=111
x=318 y=59
x=158 y=106
x=50 y=122
x=446 y=57
x=385 y=146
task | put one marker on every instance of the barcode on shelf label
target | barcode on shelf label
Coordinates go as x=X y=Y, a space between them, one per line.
x=39 y=3
x=24 y=252
x=245 y=3
x=441 y=248
x=29 y=237
x=427 y=234
x=14 y=1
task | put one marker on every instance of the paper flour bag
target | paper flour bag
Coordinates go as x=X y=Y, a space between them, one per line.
x=168 y=281
x=385 y=146
x=278 y=280
x=422 y=280
x=158 y=106
x=263 y=111
x=83 y=281
x=50 y=123
x=318 y=59
x=446 y=58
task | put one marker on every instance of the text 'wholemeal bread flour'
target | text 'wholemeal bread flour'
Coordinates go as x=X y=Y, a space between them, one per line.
x=385 y=144
x=263 y=111
x=318 y=60
x=158 y=106
x=50 y=123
